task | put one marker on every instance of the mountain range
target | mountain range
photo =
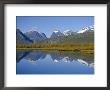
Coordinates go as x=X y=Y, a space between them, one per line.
x=83 y=35
x=57 y=33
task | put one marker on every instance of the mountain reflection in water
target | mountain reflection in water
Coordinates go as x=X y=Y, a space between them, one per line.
x=56 y=60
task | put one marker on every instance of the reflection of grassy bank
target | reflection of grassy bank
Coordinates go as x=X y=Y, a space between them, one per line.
x=52 y=49
x=83 y=48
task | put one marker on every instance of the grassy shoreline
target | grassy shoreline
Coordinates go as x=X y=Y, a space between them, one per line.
x=52 y=49
x=84 y=48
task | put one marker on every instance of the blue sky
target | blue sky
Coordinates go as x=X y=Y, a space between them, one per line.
x=48 y=24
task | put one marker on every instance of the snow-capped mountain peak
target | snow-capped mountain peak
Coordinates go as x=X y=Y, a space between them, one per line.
x=56 y=33
x=67 y=32
x=85 y=29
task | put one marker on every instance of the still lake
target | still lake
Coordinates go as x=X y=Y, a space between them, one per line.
x=53 y=62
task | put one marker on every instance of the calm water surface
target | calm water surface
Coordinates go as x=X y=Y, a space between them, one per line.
x=53 y=62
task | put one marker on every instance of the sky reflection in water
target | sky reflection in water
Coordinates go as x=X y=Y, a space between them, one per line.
x=53 y=62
